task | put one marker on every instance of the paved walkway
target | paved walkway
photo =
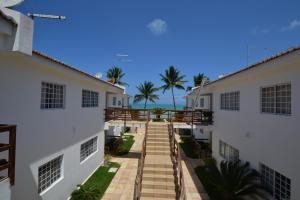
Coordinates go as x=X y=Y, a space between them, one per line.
x=193 y=186
x=122 y=186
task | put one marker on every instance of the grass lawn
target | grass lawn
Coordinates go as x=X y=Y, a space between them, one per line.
x=126 y=146
x=202 y=175
x=187 y=147
x=101 y=178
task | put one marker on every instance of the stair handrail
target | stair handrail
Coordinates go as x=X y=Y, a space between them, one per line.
x=176 y=158
x=139 y=175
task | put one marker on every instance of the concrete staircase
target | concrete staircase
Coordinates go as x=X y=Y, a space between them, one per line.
x=158 y=180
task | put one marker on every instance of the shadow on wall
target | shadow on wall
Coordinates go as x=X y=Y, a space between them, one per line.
x=31 y=187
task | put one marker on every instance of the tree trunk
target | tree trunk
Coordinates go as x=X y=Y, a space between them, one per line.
x=173 y=98
x=145 y=104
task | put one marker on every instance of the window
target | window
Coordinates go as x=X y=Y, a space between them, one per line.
x=52 y=96
x=276 y=99
x=278 y=185
x=114 y=101
x=228 y=152
x=202 y=102
x=230 y=101
x=88 y=148
x=119 y=103
x=49 y=173
x=89 y=99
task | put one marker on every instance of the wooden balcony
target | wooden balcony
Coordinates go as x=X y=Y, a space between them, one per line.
x=9 y=163
x=183 y=116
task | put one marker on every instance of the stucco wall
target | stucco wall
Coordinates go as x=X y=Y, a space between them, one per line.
x=44 y=134
x=119 y=98
x=268 y=138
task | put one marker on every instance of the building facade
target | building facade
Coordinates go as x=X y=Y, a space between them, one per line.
x=59 y=113
x=256 y=119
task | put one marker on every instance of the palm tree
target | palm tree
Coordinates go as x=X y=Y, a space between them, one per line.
x=198 y=80
x=234 y=181
x=115 y=75
x=172 y=79
x=147 y=93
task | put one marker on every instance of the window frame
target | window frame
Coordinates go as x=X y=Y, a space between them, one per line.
x=272 y=184
x=114 y=101
x=61 y=172
x=228 y=103
x=232 y=151
x=64 y=95
x=96 y=138
x=91 y=103
x=275 y=99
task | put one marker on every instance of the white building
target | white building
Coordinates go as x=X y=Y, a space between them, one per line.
x=59 y=113
x=256 y=119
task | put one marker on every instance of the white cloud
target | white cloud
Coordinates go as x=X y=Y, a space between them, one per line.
x=121 y=55
x=257 y=31
x=292 y=25
x=158 y=26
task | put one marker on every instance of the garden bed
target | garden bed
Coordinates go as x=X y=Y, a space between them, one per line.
x=189 y=148
x=97 y=184
x=128 y=141
x=203 y=177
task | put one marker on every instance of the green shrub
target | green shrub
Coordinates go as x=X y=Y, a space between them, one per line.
x=85 y=193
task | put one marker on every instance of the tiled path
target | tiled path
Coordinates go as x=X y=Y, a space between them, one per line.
x=122 y=186
x=194 y=188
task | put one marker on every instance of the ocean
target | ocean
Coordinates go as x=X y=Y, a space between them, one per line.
x=164 y=106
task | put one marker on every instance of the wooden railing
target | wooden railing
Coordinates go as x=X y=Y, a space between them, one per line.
x=9 y=163
x=139 y=175
x=176 y=158
x=185 y=116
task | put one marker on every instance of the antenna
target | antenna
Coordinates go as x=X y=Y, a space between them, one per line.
x=33 y=15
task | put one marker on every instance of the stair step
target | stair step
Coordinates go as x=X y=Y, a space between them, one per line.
x=158 y=153
x=158 y=136
x=157 y=165
x=149 y=150
x=155 y=171
x=158 y=139
x=159 y=184
x=158 y=177
x=158 y=142
x=156 y=148
x=158 y=193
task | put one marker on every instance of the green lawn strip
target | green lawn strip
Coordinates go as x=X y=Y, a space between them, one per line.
x=187 y=148
x=204 y=178
x=126 y=146
x=101 y=178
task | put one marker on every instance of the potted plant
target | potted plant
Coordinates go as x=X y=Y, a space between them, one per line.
x=107 y=159
x=158 y=112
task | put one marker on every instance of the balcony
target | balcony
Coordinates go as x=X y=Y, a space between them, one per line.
x=199 y=117
x=10 y=146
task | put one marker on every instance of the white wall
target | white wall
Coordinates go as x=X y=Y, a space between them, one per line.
x=22 y=37
x=5 y=192
x=119 y=98
x=268 y=138
x=44 y=134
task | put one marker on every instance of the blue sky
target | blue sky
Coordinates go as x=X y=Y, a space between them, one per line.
x=195 y=36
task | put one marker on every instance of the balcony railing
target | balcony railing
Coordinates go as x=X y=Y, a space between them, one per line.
x=9 y=163
x=184 y=116
x=176 y=158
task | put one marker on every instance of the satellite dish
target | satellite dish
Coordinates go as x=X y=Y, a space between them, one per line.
x=9 y=3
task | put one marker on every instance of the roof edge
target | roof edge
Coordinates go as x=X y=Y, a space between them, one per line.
x=74 y=68
x=257 y=64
